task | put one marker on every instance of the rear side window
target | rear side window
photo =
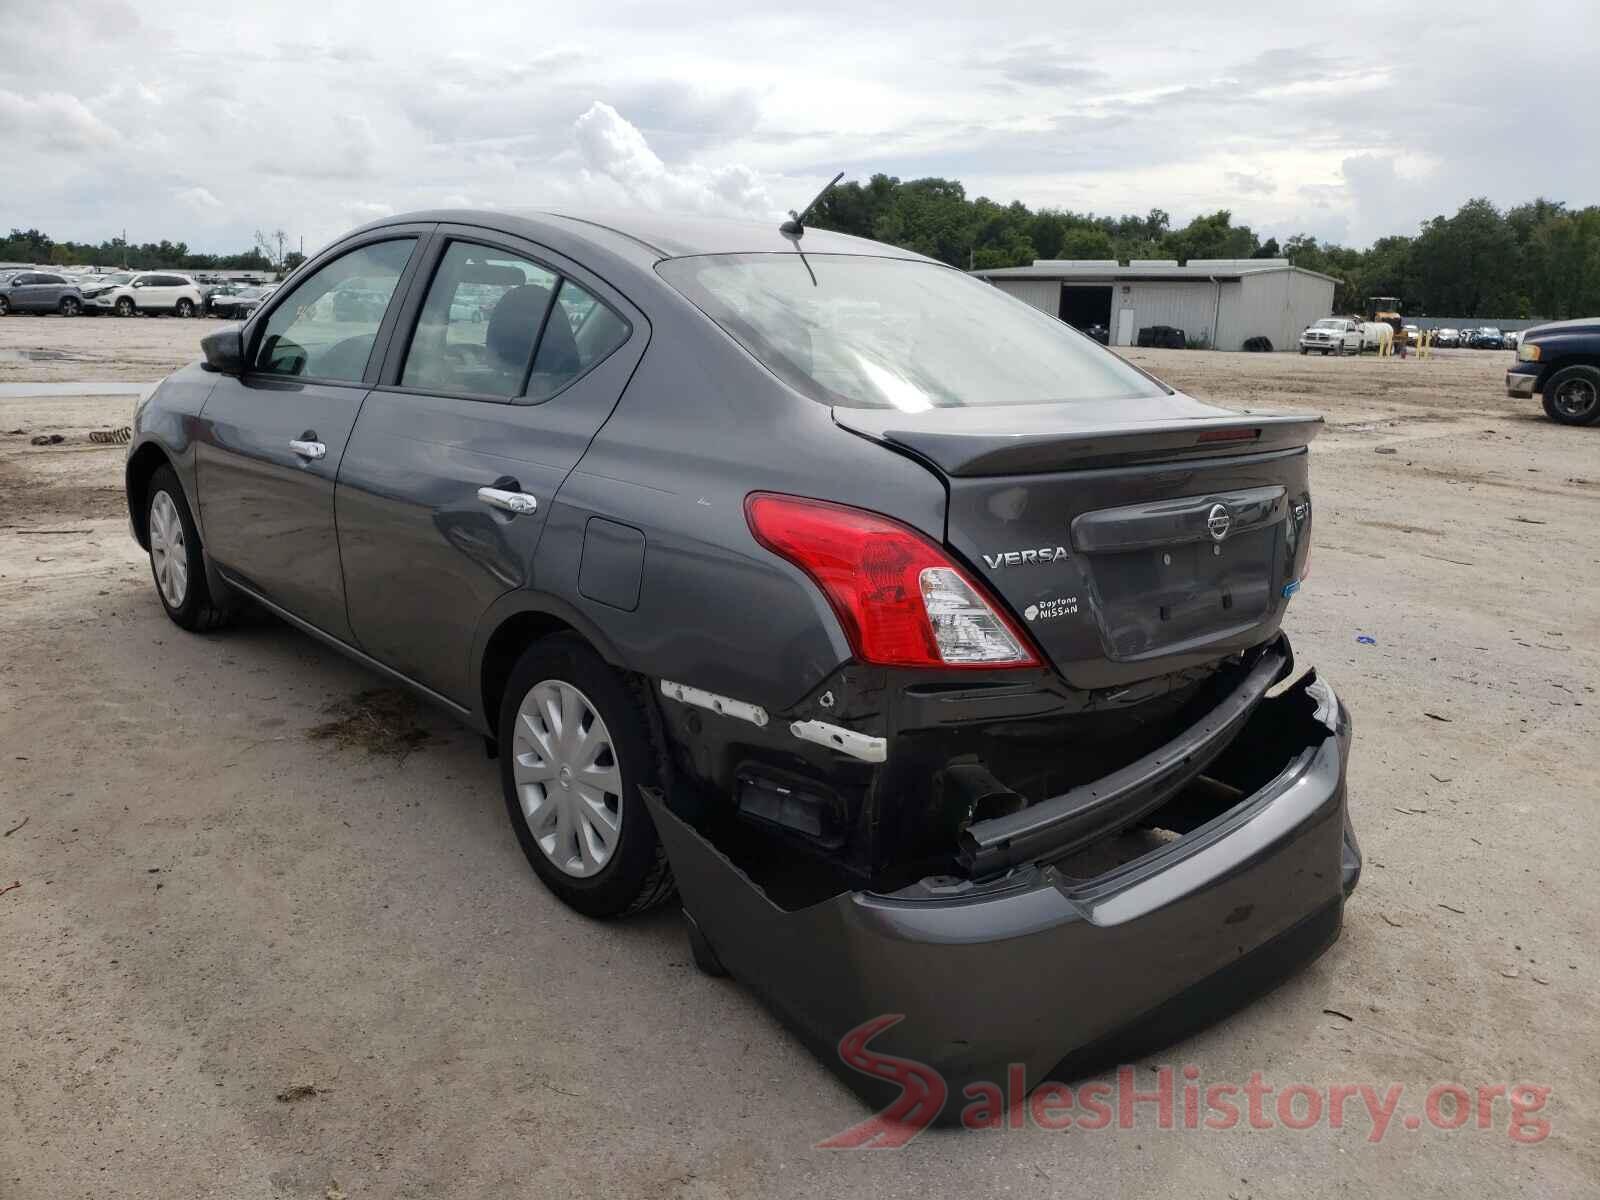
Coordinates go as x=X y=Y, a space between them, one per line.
x=496 y=324
x=326 y=328
x=580 y=333
x=480 y=322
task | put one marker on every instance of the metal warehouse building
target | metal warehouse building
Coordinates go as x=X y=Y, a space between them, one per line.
x=1224 y=300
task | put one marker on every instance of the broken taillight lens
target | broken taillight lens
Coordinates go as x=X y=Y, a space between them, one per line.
x=902 y=600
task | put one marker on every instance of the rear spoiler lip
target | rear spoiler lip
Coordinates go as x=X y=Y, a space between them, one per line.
x=1026 y=440
x=1056 y=827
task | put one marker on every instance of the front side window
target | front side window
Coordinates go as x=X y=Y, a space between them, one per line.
x=327 y=327
x=477 y=329
x=863 y=332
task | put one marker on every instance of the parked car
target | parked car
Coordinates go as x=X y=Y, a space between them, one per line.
x=250 y=303
x=1487 y=338
x=872 y=633
x=1560 y=362
x=233 y=300
x=97 y=292
x=153 y=292
x=1332 y=335
x=1511 y=339
x=40 y=292
x=1447 y=339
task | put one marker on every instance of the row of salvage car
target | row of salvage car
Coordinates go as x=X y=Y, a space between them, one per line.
x=127 y=294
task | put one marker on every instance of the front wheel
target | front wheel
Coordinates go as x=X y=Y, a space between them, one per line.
x=575 y=748
x=5 y=307
x=125 y=306
x=70 y=306
x=175 y=557
x=185 y=307
x=1572 y=396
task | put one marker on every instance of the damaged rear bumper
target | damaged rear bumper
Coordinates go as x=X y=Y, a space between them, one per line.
x=1043 y=969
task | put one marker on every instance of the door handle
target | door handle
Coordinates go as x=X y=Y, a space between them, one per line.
x=508 y=501
x=308 y=449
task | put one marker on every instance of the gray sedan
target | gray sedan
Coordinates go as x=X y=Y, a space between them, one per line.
x=817 y=580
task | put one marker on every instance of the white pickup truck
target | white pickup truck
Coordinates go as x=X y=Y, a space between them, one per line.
x=1332 y=335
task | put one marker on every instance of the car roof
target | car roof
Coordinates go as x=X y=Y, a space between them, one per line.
x=647 y=236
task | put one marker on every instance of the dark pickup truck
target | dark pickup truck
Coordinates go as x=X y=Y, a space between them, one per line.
x=1561 y=362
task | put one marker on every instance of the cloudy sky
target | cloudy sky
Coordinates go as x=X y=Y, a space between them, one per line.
x=203 y=122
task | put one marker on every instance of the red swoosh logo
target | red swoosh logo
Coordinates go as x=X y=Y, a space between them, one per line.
x=922 y=1092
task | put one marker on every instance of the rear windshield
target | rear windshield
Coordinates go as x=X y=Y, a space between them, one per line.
x=864 y=332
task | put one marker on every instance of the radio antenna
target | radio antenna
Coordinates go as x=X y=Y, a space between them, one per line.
x=796 y=224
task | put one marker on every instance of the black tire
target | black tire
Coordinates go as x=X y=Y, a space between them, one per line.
x=70 y=306
x=1572 y=396
x=1303 y=350
x=197 y=610
x=126 y=307
x=5 y=307
x=185 y=307
x=637 y=876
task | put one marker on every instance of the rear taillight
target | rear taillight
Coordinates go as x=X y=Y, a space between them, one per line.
x=902 y=600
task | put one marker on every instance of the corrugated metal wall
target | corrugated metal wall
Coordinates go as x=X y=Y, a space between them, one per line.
x=1277 y=304
x=1274 y=304
x=1186 y=305
x=1043 y=294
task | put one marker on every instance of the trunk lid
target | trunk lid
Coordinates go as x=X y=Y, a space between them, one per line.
x=1131 y=538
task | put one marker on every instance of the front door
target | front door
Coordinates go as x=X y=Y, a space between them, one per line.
x=271 y=439
x=1125 y=327
x=515 y=359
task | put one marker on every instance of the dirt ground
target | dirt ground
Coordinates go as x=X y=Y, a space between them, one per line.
x=273 y=936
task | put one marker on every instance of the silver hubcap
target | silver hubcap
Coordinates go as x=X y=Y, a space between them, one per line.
x=168 y=552
x=567 y=777
x=1576 y=399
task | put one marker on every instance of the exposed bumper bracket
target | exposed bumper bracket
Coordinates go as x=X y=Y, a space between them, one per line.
x=1064 y=823
x=847 y=741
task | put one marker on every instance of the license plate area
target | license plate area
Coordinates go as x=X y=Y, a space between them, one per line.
x=1157 y=597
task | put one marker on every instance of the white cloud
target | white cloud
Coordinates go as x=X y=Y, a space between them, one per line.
x=1314 y=125
x=54 y=121
x=198 y=198
x=615 y=151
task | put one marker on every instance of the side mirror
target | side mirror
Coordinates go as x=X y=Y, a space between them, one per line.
x=224 y=350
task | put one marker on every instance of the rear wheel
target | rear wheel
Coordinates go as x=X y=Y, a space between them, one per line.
x=1572 y=396
x=125 y=306
x=185 y=307
x=175 y=557
x=575 y=748
x=70 y=306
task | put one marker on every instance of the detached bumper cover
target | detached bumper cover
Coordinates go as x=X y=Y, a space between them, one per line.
x=1039 y=969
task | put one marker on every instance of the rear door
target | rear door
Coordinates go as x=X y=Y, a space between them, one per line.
x=508 y=360
x=271 y=439
x=50 y=290
x=161 y=292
